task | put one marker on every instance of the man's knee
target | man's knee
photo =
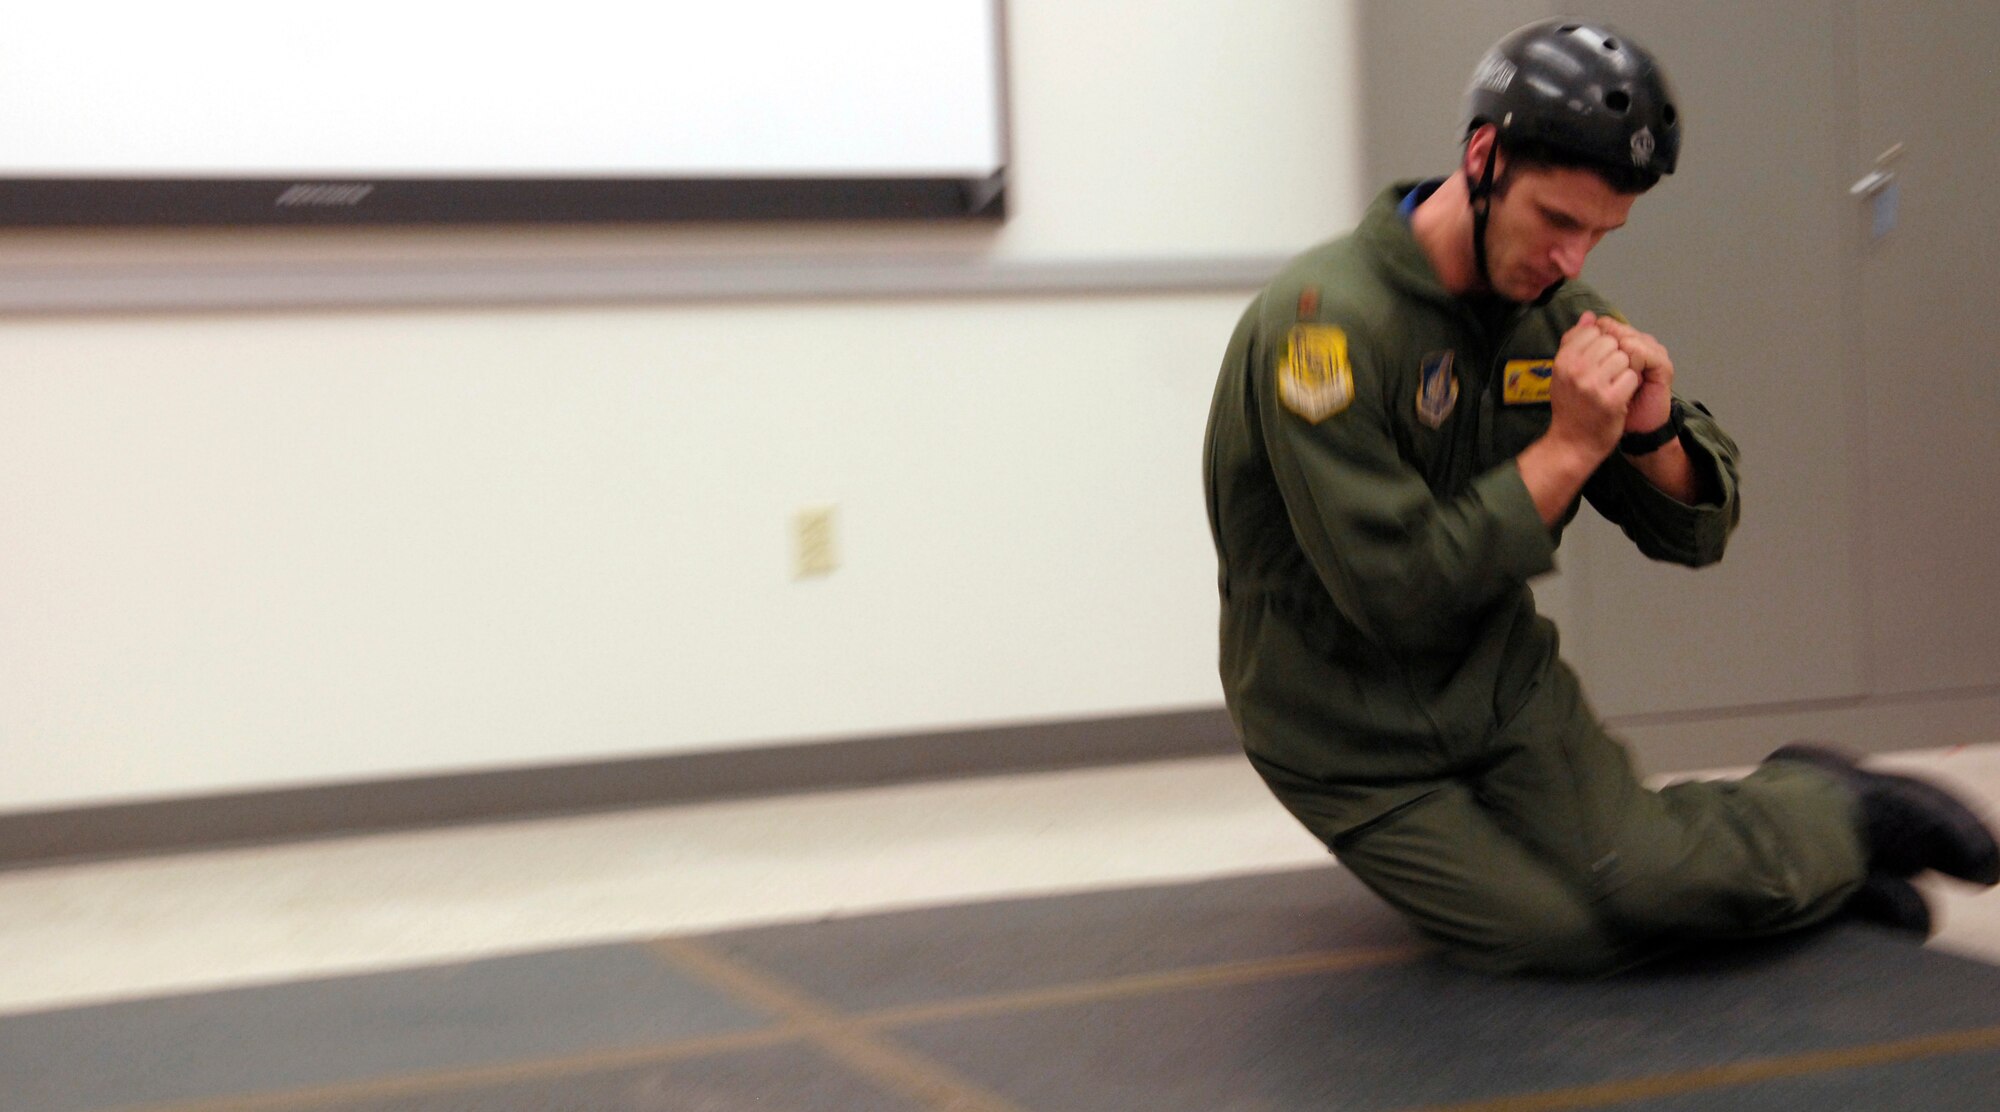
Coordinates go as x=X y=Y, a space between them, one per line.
x=1554 y=939
x=1681 y=900
x=1485 y=898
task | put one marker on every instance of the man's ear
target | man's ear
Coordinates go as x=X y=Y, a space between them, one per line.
x=1473 y=162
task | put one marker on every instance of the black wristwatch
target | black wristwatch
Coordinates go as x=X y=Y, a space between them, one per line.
x=1646 y=443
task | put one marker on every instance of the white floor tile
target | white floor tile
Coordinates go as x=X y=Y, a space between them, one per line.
x=146 y=927
x=127 y=929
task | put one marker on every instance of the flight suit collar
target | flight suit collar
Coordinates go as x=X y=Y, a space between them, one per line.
x=1388 y=238
x=1395 y=247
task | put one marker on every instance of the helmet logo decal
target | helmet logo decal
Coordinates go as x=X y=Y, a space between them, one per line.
x=1642 y=146
x=1494 y=74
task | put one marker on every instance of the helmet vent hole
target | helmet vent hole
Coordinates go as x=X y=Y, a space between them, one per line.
x=1569 y=28
x=1668 y=116
x=1618 y=101
x=1610 y=45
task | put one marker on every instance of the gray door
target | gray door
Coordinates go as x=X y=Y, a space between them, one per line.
x=1929 y=342
x=1415 y=57
x=1857 y=372
x=1738 y=263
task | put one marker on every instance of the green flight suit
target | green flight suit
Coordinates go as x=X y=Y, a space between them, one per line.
x=1381 y=653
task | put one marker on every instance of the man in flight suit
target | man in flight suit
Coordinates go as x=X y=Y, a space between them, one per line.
x=1406 y=419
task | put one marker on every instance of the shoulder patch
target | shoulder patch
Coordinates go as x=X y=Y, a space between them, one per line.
x=1527 y=381
x=1437 y=390
x=1316 y=380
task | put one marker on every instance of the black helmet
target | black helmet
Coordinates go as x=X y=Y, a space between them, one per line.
x=1580 y=89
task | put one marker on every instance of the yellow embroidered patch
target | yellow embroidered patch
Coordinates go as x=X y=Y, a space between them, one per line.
x=1527 y=381
x=1316 y=380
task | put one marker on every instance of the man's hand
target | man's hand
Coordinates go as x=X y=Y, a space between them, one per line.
x=1609 y=379
x=1594 y=383
x=1650 y=405
x=1590 y=394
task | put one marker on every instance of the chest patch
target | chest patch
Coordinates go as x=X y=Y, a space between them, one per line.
x=1527 y=381
x=1437 y=389
x=1316 y=380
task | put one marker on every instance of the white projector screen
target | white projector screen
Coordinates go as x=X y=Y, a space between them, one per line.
x=232 y=111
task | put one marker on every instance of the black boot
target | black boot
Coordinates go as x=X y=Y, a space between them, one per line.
x=1910 y=824
x=1891 y=902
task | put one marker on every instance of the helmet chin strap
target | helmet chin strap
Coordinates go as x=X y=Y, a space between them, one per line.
x=1482 y=205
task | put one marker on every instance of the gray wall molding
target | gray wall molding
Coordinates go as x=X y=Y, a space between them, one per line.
x=150 y=287
x=1664 y=742
x=290 y=814
x=1689 y=740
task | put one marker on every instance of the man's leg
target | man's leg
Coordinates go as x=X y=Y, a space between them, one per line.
x=1777 y=850
x=1554 y=857
x=1467 y=883
x=1442 y=860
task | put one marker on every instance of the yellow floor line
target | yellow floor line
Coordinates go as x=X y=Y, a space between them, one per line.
x=476 y=1077
x=787 y=1003
x=855 y=1040
x=894 y=1067
x=1142 y=984
x=1736 y=1073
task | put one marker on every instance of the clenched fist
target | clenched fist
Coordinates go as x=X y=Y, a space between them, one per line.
x=1595 y=382
x=1651 y=405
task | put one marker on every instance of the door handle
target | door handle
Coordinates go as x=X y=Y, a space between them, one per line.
x=1880 y=188
x=1875 y=181
x=1878 y=179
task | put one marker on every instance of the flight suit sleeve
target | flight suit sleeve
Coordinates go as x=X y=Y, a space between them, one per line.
x=1663 y=528
x=1405 y=567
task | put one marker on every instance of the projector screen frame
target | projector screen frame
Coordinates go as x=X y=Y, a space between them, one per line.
x=341 y=199
x=208 y=202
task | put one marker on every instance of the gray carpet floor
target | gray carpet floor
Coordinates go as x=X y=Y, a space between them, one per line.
x=1272 y=993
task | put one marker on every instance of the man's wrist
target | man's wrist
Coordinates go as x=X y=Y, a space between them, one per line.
x=1554 y=469
x=1570 y=458
x=1646 y=443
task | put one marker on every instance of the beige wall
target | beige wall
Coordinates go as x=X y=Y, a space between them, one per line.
x=376 y=533
x=242 y=549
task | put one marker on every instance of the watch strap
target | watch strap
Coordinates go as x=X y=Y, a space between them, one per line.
x=1646 y=443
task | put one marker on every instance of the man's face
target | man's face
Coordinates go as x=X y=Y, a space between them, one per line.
x=1544 y=223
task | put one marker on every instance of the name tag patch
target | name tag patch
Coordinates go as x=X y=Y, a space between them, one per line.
x=1527 y=381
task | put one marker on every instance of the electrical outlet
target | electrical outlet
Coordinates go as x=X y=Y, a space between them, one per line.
x=814 y=551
